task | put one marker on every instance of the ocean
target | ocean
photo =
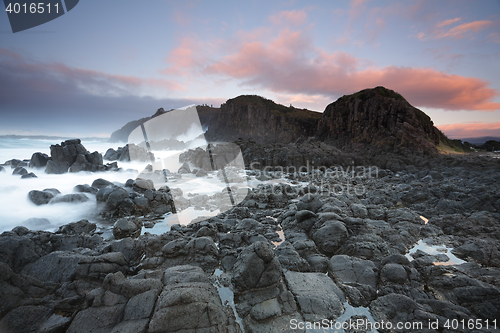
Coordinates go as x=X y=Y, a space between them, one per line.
x=16 y=209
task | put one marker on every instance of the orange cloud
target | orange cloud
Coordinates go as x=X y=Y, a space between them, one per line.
x=460 y=31
x=291 y=64
x=470 y=130
x=448 y=22
x=295 y=17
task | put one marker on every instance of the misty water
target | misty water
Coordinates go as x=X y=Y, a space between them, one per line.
x=16 y=209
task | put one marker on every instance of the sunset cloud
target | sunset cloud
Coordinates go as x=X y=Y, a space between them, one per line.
x=461 y=30
x=448 y=22
x=43 y=97
x=470 y=29
x=471 y=130
x=290 y=63
x=183 y=56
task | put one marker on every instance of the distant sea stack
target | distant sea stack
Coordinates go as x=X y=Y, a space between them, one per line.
x=204 y=112
x=262 y=120
x=379 y=117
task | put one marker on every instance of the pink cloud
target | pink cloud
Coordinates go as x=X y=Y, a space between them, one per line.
x=182 y=57
x=294 y=17
x=460 y=31
x=448 y=22
x=471 y=130
x=291 y=64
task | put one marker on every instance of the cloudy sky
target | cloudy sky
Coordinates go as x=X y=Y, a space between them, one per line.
x=105 y=63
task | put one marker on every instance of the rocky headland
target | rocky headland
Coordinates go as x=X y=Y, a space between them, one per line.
x=353 y=215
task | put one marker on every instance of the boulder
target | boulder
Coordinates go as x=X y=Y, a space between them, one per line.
x=310 y=202
x=330 y=237
x=187 y=306
x=126 y=227
x=394 y=273
x=42 y=197
x=305 y=219
x=101 y=183
x=317 y=295
x=77 y=228
x=29 y=175
x=39 y=160
x=256 y=267
x=144 y=184
x=20 y=171
x=354 y=270
x=85 y=188
x=112 y=155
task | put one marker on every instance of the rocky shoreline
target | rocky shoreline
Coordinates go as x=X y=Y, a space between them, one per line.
x=301 y=247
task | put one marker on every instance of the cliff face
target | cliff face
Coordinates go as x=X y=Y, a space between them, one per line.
x=262 y=120
x=379 y=117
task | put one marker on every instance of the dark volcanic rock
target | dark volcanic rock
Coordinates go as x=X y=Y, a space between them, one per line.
x=127 y=228
x=262 y=120
x=20 y=171
x=29 y=175
x=42 y=197
x=185 y=306
x=85 y=188
x=256 y=267
x=72 y=156
x=378 y=116
x=128 y=152
x=39 y=160
x=318 y=296
x=77 y=228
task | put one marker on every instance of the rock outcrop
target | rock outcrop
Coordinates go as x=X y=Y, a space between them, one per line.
x=378 y=117
x=128 y=152
x=72 y=156
x=254 y=117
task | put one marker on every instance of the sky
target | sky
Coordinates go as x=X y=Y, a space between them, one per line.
x=107 y=62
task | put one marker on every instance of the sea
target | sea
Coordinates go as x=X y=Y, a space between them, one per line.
x=17 y=210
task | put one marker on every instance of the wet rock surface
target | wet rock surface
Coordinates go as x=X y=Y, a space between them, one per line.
x=293 y=251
